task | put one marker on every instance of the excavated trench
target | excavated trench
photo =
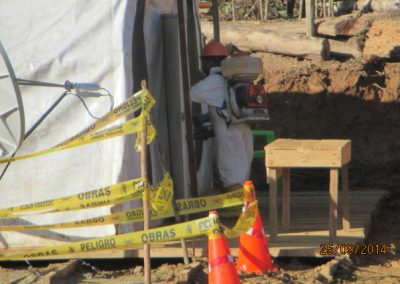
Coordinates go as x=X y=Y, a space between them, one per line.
x=338 y=100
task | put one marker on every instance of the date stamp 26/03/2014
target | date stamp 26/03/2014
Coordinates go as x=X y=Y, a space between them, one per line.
x=352 y=249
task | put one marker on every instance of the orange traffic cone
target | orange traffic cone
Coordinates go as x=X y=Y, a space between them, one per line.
x=254 y=254
x=221 y=265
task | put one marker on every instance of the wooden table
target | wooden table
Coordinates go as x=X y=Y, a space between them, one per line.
x=283 y=154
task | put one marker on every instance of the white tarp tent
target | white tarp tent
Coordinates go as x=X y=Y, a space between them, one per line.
x=114 y=43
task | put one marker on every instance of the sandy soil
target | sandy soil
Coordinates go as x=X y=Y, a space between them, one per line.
x=384 y=38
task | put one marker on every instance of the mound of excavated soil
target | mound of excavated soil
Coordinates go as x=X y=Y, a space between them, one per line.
x=344 y=100
x=383 y=37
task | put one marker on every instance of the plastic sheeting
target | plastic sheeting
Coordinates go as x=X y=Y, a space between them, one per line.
x=54 y=41
x=114 y=43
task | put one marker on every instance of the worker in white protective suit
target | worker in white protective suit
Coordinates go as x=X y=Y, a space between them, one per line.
x=234 y=143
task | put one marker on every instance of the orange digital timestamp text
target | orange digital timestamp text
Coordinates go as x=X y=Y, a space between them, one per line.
x=353 y=249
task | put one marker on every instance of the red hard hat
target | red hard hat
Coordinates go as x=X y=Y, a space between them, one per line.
x=214 y=48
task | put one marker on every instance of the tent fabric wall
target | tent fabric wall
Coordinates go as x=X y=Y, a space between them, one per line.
x=114 y=43
x=54 y=41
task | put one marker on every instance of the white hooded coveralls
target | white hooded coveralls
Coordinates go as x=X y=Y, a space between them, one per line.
x=234 y=144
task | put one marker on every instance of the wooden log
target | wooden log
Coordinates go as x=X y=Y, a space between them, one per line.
x=340 y=26
x=340 y=49
x=385 y=5
x=257 y=38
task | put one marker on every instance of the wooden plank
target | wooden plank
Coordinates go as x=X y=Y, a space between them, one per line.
x=321 y=144
x=308 y=230
x=303 y=159
x=308 y=153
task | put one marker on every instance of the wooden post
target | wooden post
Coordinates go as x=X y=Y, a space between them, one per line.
x=315 y=8
x=233 y=10
x=286 y=199
x=215 y=14
x=345 y=198
x=331 y=14
x=272 y=202
x=266 y=9
x=324 y=2
x=261 y=10
x=310 y=17
x=301 y=8
x=146 y=207
x=333 y=201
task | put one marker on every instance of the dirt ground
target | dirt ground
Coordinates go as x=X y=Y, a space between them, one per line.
x=356 y=99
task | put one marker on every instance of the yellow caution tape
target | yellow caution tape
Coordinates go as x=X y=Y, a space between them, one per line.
x=114 y=194
x=89 y=199
x=189 y=229
x=183 y=207
x=142 y=99
x=131 y=126
x=93 y=133
x=245 y=221
x=163 y=196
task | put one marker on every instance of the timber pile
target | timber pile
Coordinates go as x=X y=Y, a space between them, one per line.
x=259 y=38
x=338 y=37
x=385 y=5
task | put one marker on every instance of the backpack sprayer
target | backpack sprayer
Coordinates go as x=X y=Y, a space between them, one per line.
x=246 y=101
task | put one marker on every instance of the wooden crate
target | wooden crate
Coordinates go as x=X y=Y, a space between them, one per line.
x=307 y=153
